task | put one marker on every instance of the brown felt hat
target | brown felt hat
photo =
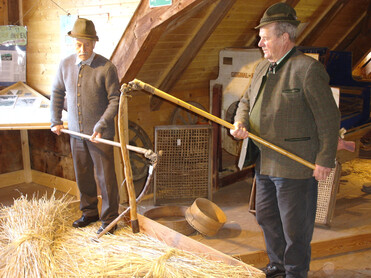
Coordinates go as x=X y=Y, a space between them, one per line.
x=279 y=12
x=83 y=29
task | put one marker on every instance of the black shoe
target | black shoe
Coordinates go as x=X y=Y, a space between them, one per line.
x=85 y=221
x=273 y=271
x=105 y=225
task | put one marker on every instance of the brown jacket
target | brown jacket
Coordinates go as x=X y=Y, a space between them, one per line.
x=298 y=114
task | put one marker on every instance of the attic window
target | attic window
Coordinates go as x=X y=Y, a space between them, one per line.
x=227 y=60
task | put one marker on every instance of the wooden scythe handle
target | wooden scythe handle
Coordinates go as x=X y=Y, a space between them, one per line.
x=108 y=142
x=137 y=84
x=127 y=166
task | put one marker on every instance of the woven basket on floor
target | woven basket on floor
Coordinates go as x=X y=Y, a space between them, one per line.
x=205 y=216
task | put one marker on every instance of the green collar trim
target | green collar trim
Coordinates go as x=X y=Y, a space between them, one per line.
x=284 y=59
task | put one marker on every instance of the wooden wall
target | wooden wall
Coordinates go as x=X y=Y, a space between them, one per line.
x=190 y=87
x=10 y=151
x=9 y=12
x=44 y=48
x=111 y=16
x=235 y=30
x=50 y=153
x=43 y=18
x=3 y=13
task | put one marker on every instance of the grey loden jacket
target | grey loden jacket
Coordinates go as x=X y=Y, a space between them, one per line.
x=92 y=96
x=298 y=114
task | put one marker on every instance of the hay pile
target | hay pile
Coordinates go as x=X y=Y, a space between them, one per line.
x=37 y=240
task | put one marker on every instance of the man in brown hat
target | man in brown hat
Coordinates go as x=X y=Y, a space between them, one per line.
x=90 y=83
x=290 y=104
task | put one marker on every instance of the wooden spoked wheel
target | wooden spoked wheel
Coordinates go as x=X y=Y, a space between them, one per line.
x=231 y=112
x=139 y=138
x=182 y=116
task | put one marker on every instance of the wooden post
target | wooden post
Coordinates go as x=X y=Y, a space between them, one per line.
x=123 y=135
x=216 y=108
x=26 y=156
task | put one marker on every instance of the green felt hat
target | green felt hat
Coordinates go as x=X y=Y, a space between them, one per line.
x=279 y=12
x=83 y=29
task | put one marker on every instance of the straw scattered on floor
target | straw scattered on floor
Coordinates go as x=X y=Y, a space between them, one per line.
x=37 y=240
x=360 y=168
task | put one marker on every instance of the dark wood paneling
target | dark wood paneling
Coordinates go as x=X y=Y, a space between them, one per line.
x=51 y=154
x=10 y=151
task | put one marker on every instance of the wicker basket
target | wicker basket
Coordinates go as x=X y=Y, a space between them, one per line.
x=205 y=216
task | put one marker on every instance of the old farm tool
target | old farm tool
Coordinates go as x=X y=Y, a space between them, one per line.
x=139 y=85
x=123 y=135
x=152 y=167
x=146 y=152
x=123 y=131
x=149 y=154
x=327 y=188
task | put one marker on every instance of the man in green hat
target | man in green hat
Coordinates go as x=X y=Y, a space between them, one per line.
x=91 y=86
x=290 y=104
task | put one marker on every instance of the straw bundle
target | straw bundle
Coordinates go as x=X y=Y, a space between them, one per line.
x=27 y=231
x=43 y=244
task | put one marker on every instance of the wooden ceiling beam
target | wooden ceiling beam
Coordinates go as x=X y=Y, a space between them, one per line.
x=13 y=12
x=292 y=3
x=191 y=50
x=195 y=44
x=143 y=32
x=361 y=46
x=349 y=36
x=195 y=29
x=357 y=39
x=308 y=38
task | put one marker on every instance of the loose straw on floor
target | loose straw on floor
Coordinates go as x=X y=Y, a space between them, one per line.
x=37 y=240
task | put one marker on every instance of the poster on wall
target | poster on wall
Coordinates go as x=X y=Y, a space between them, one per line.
x=13 y=42
x=13 y=35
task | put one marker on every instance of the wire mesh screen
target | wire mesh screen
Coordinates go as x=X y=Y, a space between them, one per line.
x=326 y=198
x=327 y=190
x=184 y=169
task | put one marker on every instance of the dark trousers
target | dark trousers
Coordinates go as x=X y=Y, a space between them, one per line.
x=95 y=160
x=286 y=210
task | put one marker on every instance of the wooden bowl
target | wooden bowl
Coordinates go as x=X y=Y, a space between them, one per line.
x=172 y=217
x=205 y=216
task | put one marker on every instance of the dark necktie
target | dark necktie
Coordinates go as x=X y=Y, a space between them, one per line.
x=271 y=68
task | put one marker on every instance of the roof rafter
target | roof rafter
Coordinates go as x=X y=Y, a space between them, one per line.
x=327 y=17
x=348 y=37
x=360 y=34
x=194 y=45
x=142 y=33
